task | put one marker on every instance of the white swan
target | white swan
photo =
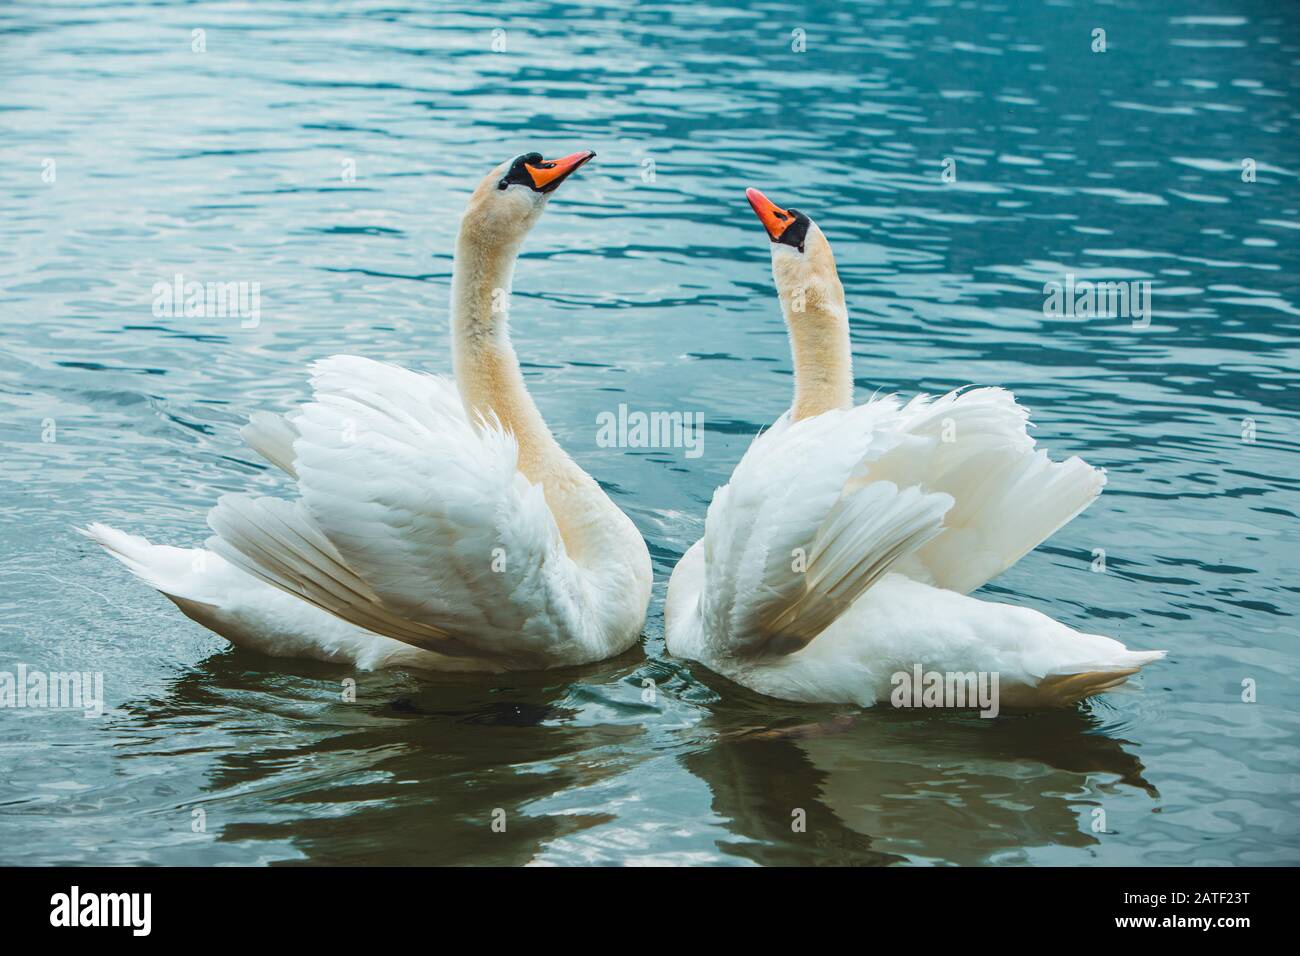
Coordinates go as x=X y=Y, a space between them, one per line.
x=842 y=551
x=440 y=524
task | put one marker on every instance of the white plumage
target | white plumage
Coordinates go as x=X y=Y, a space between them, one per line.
x=818 y=579
x=416 y=524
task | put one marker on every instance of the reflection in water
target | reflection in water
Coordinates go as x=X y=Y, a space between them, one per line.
x=415 y=767
x=883 y=786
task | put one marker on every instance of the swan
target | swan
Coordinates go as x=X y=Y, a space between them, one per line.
x=439 y=524
x=842 y=552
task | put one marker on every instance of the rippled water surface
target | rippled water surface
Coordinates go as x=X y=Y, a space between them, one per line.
x=648 y=282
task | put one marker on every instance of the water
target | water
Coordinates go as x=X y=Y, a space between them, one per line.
x=227 y=165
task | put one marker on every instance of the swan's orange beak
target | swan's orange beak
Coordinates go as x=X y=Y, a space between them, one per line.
x=549 y=173
x=774 y=219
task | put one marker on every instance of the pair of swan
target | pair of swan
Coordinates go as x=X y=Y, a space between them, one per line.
x=440 y=525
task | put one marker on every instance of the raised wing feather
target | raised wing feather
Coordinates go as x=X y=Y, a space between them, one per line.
x=272 y=436
x=413 y=523
x=974 y=445
x=786 y=550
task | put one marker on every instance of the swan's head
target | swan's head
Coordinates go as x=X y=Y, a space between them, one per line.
x=802 y=263
x=511 y=197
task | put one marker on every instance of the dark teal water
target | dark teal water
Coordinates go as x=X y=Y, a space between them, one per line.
x=226 y=165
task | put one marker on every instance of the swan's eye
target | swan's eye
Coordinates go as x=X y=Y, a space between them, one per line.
x=796 y=231
x=518 y=174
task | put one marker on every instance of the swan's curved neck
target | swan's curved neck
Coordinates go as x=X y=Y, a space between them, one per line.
x=486 y=367
x=823 y=357
x=491 y=383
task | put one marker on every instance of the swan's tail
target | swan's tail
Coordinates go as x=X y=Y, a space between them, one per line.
x=176 y=572
x=1062 y=690
x=1071 y=688
x=249 y=613
x=1039 y=662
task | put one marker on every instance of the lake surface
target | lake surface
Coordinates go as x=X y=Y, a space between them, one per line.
x=326 y=155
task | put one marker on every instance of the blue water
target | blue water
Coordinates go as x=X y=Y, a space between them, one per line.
x=648 y=283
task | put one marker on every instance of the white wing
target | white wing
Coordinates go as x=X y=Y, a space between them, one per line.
x=947 y=491
x=974 y=446
x=786 y=549
x=413 y=523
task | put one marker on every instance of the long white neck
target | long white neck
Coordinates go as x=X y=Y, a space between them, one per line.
x=823 y=357
x=486 y=367
x=490 y=382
